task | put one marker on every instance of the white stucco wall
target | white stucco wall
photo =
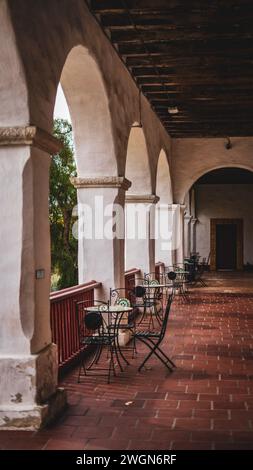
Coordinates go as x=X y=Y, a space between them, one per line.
x=224 y=201
x=192 y=158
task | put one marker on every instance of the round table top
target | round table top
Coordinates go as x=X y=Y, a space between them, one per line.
x=111 y=309
x=156 y=286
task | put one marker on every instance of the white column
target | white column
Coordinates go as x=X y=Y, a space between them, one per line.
x=187 y=235
x=177 y=233
x=193 y=234
x=140 y=232
x=101 y=230
x=164 y=233
x=28 y=360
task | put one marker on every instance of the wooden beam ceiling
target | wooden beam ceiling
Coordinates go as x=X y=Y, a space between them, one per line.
x=196 y=55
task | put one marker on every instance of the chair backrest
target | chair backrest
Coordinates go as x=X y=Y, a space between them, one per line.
x=139 y=291
x=122 y=296
x=166 y=317
x=152 y=277
x=93 y=321
x=89 y=322
x=172 y=275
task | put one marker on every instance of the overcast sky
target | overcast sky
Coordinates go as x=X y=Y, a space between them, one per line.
x=61 y=109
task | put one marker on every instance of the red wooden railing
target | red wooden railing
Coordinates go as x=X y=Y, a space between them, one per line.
x=130 y=277
x=63 y=319
x=159 y=269
x=63 y=316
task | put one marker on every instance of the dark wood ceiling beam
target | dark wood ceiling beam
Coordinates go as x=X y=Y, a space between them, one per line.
x=205 y=124
x=195 y=55
x=216 y=61
x=206 y=103
x=123 y=36
x=218 y=70
x=164 y=5
x=212 y=115
x=228 y=48
x=209 y=134
x=168 y=18
x=220 y=129
x=208 y=120
x=194 y=81
x=175 y=98
x=202 y=90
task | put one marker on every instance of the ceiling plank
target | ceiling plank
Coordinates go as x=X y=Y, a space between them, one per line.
x=195 y=55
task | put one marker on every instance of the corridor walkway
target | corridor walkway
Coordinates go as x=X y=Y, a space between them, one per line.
x=207 y=403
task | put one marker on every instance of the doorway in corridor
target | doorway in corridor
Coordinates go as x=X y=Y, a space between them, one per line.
x=226 y=244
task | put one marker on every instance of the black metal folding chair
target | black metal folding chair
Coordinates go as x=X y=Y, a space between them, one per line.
x=179 y=281
x=94 y=333
x=199 y=273
x=153 y=340
x=126 y=297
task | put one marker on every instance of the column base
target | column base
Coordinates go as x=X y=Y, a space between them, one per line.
x=26 y=418
x=124 y=337
x=29 y=397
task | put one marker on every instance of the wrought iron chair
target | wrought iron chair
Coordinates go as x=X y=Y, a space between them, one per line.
x=126 y=297
x=153 y=276
x=153 y=339
x=147 y=297
x=179 y=280
x=198 y=279
x=94 y=334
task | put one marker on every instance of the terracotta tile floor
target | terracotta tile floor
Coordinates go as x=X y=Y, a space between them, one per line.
x=207 y=403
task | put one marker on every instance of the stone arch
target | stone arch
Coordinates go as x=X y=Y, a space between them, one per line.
x=163 y=179
x=192 y=180
x=13 y=84
x=221 y=204
x=137 y=162
x=139 y=248
x=87 y=100
x=163 y=243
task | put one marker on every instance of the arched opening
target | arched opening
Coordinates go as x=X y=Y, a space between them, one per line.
x=139 y=251
x=88 y=104
x=137 y=163
x=164 y=214
x=82 y=85
x=220 y=206
x=63 y=201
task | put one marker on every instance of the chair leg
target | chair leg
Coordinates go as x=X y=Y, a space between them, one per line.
x=162 y=352
x=134 y=346
x=111 y=365
x=165 y=355
x=82 y=366
x=153 y=349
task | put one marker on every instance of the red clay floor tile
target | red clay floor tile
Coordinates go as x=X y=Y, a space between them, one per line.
x=206 y=403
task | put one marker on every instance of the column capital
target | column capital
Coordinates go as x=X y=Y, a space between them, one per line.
x=174 y=207
x=30 y=135
x=101 y=182
x=188 y=217
x=142 y=198
x=194 y=220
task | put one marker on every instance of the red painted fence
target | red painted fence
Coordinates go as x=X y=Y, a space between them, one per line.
x=63 y=319
x=159 y=269
x=63 y=316
x=130 y=278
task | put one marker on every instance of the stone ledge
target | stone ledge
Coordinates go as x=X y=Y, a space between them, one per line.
x=24 y=418
x=30 y=135
x=142 y=198
x=101 y=182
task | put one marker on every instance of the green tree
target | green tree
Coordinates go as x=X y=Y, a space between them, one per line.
x=62 y=201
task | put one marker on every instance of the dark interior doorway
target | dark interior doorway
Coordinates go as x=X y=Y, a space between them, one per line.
x=226 y=246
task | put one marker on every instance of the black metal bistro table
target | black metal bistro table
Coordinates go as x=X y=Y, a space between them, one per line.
x=117 y=318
